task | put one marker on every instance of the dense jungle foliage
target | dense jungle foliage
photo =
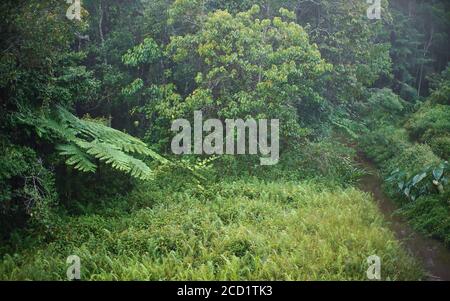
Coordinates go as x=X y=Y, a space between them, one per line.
x=87 y=105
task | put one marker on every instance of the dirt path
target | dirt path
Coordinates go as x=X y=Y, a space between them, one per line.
x=433 y=255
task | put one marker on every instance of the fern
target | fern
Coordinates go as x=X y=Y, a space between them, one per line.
x=95 y=131
x=87 y=141
x=77 y=158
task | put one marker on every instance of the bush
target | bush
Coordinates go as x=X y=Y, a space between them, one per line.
x=431 y=215
x=383 y=107
x=81 y=189
x=389 y=147
x=326 y=161
x=384 y=143
x=413 y=159
x=431 y=180
x=441 y=88
x=431 y=125
x=27 y=190
x=441 y=146
x=384 y=100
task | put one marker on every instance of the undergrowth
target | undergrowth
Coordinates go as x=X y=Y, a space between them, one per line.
x=252 y=230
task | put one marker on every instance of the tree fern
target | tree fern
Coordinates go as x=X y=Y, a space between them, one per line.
x=77 y=157
x=87 y=141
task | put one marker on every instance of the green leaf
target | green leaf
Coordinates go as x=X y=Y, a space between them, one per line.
x=438 y=172
x=406 y=191
x=85 y=141
x=418 y=178
x=77 y=158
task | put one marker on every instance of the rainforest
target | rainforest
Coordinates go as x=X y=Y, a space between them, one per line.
x=225 y=140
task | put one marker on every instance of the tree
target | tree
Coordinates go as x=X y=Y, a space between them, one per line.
x=351 y=42
x=247 y=67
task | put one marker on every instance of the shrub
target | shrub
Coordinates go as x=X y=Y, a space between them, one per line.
x=441 y=88
x=430 y=180
x=391 y=150
x=384 y=143
x=430 y=215
x=326 y=161
x=413 y=159
x=429 y=121
x=28 y=192
x=441 y=146
x=383 y=107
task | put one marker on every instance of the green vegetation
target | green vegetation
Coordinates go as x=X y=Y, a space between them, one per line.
x=238 y=230
x=414 y=165
x=87 y=105
x=431 y=123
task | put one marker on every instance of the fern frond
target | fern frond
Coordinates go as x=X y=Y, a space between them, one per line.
x=123 y=141
x=140 y=170
x=77 y=158
x=117 y=159
x=86 y=140
x=46 y=125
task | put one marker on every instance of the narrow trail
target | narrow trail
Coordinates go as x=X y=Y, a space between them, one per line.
x=433 y=255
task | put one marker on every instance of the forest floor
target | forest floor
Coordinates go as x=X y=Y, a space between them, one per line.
x=432 y=254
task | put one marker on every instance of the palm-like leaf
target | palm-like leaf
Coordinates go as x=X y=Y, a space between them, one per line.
x=85 y=141
x=77 y=157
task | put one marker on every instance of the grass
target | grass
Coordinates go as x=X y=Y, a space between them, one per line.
x=248 y=230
